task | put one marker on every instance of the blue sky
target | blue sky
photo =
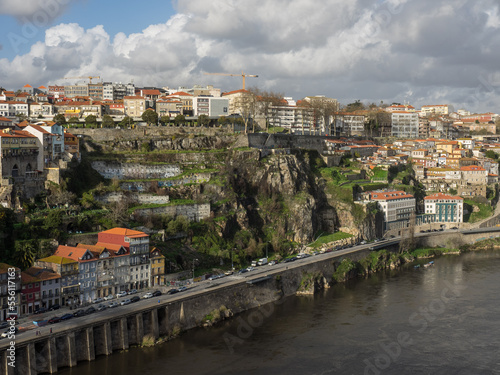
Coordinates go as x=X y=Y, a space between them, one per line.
x=117 y=16
x=416 y=51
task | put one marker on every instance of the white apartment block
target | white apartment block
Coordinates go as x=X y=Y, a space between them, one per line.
x=438 y=110
x=210 y=106
x=397 y=206
x=405 y=125
x=444 y=208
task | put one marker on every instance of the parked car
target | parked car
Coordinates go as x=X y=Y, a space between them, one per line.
x=55 y=306
x=250 y=268
x=126 y=302
x=55 y=319
x=135 y=299
x=98 y=300
x=156 y=293
x=243 y=270
x=121 y=294
x=173 y=291
x=41 y=310
x=66 y=316
x=90 y=310
x=109 y=297
x=78 y=313
x=227 y=273
x=182 y=289
x=272 y=263
x=4 y=325
x=101 y=307
x=114 y=304
x=148 y=295
x=133 y=291
x=8 y=332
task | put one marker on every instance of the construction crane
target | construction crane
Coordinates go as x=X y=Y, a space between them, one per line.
x=243 y=75
x=87 y=77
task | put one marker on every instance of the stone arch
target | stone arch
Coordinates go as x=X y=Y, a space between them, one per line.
x=28 y=167
x=15 y=171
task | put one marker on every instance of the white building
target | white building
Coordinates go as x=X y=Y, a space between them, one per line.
x=210 y=106
x=405 y=125
x=438 y=109
x=444 y=208
x=397 y=206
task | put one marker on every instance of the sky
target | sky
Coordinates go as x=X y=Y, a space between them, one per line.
x=419 y=52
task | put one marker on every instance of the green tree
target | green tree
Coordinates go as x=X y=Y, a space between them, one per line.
x=150 y=116
x=165 y=120
x=491 y=154
x=179 y=120
x=59 y=119
x=222 y=121
x=203 y=120
x=25 y=253
x=90 y=120
x=108 y=122
x=74 y=121
x=126 y=122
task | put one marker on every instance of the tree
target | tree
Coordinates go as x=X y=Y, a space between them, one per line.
x=203 y=120
x=179 y=120
x=356 y=106
x=150 y=116
x=74 y=121
x=491 y=154
x=21 y=117
x=59 y=119
x=222 y=121
x=165 y=120
x=25 y=253
x=90 y=120
x=108 y=122
x=126 y=122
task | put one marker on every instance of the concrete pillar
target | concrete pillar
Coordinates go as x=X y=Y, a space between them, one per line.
x=139 y=332
x=155 y=331
x=89 y=349
x=123 y=334
x=9 y=370
x=71 y=349
x=108 y=342
x=30 y=355
x=52 y=355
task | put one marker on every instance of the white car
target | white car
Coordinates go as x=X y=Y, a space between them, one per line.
x=113 y=304
x=148 y=295
x=109 y=297
x=121 y=294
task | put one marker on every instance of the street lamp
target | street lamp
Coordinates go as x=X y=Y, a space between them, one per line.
x=194 y=260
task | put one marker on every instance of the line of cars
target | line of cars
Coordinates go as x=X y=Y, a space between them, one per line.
x=102 y=306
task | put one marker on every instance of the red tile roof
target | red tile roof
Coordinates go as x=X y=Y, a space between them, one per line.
x=389 y=195
x=125 y=232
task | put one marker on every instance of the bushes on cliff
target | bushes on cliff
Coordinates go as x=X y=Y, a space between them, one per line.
x=346 y=270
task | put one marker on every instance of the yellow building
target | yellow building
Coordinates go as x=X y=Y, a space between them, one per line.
x=157 y=261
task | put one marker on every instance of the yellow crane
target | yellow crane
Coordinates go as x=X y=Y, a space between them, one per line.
x=87 y=77
x=243 y=75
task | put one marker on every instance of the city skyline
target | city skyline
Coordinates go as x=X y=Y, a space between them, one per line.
x=419 y=52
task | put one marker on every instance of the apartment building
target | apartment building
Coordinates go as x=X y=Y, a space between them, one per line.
x=443 y=208
x=9 y=289
x=396 y=205
x=137 y=245
x=209 y=106
x=437 y=110
x=405 y=124
x=134 y=105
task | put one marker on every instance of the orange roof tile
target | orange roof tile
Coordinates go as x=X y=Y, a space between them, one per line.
x=126 y=232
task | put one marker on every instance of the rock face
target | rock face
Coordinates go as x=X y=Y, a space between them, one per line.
x=282 y=191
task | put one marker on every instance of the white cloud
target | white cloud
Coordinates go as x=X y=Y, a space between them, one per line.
x=39 y=12
x=349 y=49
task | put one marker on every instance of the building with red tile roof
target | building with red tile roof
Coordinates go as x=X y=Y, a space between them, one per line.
x=444 y=208
x=397 y=206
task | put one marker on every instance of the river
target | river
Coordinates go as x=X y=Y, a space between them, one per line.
x=443 y=319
